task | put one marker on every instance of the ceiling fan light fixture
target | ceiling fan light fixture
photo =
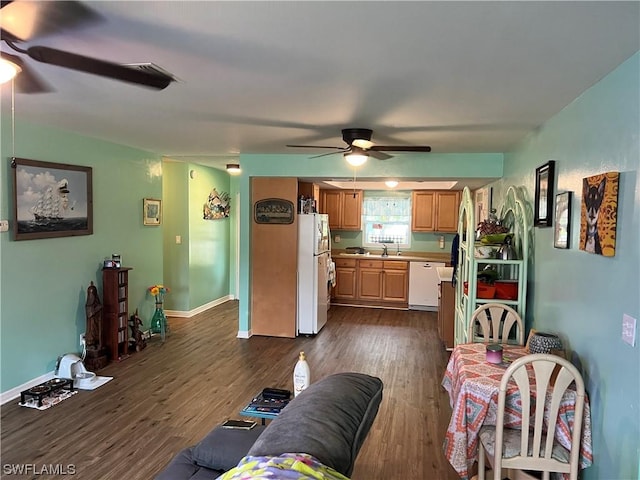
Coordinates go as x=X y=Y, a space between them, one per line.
x=356 y=159
x=391 y=183
x=233 y=168
x=8 y=70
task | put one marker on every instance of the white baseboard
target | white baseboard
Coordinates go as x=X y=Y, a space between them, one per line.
x=244 y=334
x=15 y=392
x=200 y=309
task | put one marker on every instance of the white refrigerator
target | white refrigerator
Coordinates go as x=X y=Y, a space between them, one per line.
x=314 y=256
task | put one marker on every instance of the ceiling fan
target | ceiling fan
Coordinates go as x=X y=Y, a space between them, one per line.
x=359 y=145
x=22 y=21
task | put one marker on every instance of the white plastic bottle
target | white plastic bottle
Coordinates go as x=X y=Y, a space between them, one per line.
x=301 y=375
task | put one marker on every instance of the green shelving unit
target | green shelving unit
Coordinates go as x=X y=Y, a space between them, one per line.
x=516 y=213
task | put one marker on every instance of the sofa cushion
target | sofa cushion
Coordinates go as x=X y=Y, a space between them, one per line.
x=182 y=467
x=223 y=448
x=329 y=420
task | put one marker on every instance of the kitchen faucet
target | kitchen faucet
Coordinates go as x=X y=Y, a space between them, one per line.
x=384 y=251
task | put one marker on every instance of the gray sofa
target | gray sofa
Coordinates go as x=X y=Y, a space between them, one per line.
x=329 y=420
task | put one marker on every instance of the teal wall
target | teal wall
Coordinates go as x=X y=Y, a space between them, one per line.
x=175 y=196
x=196 y=270
x=43 y=283
x=209 y=240
x=582 y=296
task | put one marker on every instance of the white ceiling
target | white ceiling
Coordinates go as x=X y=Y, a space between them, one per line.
x=255 y=76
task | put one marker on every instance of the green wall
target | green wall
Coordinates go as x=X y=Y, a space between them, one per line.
x=197 y=270
x=176 y=256
x=208 y=239
x=43 y=282
x=582 y=296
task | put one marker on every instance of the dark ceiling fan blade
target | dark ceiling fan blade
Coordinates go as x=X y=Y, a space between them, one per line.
x=327 y=154
x=317 y=146
x=26 y=20
x=27 y=81
x=98 y=67
x=393 y=148
x=379 y=155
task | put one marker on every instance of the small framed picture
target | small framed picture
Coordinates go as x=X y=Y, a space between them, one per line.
x=151 y=211
x=562 y=224
x=543 y=211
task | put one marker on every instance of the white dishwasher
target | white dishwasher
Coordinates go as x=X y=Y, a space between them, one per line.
x=423 y=285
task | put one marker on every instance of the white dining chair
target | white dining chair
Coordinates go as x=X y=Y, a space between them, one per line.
x=496 y=321
x=534 y=447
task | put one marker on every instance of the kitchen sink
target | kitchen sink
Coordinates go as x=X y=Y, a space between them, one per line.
x=391 y=256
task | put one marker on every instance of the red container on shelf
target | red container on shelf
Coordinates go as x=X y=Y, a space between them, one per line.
x=483 y=290
x=506 y=289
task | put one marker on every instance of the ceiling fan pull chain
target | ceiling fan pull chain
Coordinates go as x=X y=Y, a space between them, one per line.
x=13 y=117
x=354 y=181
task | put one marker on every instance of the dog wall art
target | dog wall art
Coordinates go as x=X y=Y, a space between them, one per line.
x=598 y=214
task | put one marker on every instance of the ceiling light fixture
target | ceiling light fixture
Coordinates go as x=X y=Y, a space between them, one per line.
x=391 y=183
x=356 y=159
x=8 y=70
x=233 y=168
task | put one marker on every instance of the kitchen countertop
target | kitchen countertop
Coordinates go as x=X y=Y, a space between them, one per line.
x=444 y=273
x=406 y=256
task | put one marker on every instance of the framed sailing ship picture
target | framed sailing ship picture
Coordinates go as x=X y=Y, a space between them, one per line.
x=51 y=199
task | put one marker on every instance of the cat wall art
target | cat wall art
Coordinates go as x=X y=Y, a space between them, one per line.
x=598 y=214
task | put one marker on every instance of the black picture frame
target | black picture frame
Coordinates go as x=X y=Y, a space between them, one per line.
x=562 y=223
x=543 y=208
x=51 y=199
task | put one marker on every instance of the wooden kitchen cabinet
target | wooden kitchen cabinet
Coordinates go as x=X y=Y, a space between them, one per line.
x=395 y=282
x=446 y=313
x=370 y=275
x=346 y=279
x=385 y=281
x=435 y=211
x=309 y=190
x=344 y=208
x=371 y=282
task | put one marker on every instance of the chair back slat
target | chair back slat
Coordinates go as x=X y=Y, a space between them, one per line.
x=521 y=376
x=543 y=371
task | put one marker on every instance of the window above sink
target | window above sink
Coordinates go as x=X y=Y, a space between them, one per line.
x=386 y=218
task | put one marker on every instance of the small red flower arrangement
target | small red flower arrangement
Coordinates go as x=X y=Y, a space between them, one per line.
x=156 y=290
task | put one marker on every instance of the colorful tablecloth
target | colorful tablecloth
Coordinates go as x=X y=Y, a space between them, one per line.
x=473 y=385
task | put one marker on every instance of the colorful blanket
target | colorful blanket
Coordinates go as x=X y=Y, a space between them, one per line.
x=289 y=466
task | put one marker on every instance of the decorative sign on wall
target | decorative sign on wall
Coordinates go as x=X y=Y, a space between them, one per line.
x=273 y=210
x=598 y=214
x=217 y=206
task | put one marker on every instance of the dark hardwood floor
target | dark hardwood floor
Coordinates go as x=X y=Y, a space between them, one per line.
x=170 y=395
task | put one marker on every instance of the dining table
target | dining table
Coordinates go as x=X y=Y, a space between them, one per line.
x=473 y=385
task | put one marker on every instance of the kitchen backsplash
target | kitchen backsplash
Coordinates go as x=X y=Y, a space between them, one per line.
x=420 y=242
